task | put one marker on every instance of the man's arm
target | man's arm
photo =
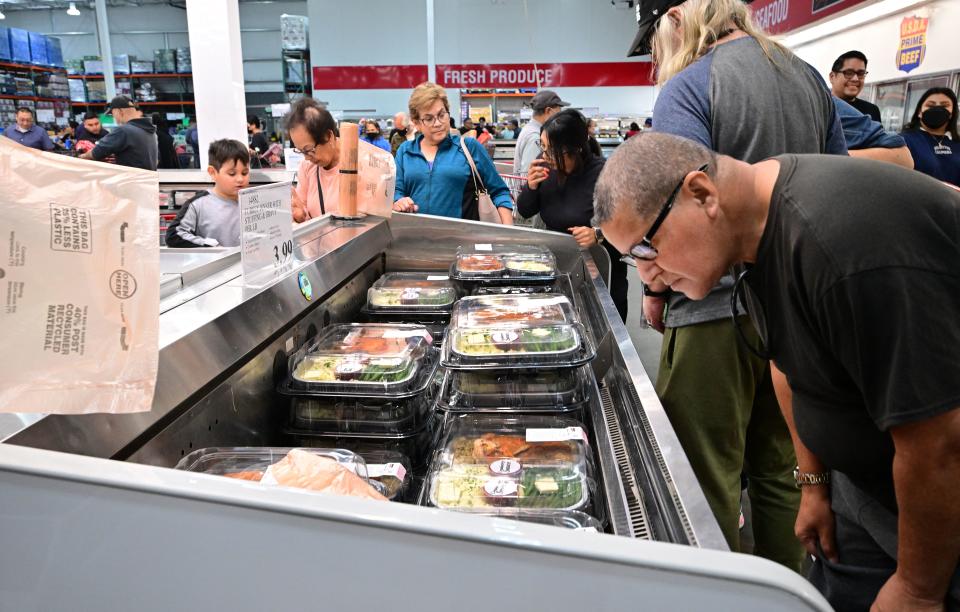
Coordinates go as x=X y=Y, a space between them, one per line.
x=111 y=144
x=926 y=471
x=867 y=139
x=815 y=521
x=900 y=156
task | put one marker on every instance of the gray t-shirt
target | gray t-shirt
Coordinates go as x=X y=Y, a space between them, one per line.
x=208 y=219
x=528 y=147
x=737 y=102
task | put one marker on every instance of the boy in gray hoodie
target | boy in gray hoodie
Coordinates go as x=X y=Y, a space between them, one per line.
x=212 y=218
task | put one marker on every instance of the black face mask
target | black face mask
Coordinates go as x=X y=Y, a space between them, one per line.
x=935 y=117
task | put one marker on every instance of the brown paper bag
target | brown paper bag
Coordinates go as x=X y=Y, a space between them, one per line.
x=79 y=284
x=377 y=182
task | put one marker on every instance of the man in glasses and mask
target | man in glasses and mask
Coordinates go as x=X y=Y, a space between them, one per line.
x=854 y=294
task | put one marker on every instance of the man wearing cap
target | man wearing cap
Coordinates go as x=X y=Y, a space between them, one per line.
x=544 y=105
x=133 y=141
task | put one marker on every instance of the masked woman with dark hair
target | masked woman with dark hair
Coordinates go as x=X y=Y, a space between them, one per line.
x=932 y=136
x=560 y=189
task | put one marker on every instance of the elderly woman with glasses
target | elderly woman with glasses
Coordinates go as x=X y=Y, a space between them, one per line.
x=433 y=173
x=314 y=133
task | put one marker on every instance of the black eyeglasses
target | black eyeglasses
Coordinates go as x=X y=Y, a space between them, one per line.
x=849 y=74
x=644 y=249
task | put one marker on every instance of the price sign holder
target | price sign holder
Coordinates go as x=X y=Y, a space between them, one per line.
x=266 y=234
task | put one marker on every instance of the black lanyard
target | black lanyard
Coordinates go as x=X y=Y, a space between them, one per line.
x=760 y=352
x=323 y=209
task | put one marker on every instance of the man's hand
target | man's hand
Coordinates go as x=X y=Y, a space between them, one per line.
x=87 y=155
x=895 y=596
x=405 y=205
x=653 y=312
x=815 y=522
x=538 y=172
x=585 y=236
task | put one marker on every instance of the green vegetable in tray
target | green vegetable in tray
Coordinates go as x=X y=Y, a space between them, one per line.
x=549 y=488
x=346 y=369
x=517 y=341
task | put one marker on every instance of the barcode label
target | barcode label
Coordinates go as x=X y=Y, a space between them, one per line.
x=556 y=435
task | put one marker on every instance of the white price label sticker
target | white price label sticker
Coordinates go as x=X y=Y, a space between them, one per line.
x=501 y=487
x=266 y=233
x=379 y=470
x=483 y=247
x=438 y=278
x=556 y=434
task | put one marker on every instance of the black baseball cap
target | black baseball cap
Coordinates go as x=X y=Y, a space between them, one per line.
x=545 y=98
x=121 y=102
x=649 y=13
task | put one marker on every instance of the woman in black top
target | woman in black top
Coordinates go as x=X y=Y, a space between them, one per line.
x=560 y=189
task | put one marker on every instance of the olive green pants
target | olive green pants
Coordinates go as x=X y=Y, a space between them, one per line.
x=720 y=401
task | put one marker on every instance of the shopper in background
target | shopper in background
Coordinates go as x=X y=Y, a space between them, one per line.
x=399 y=133
x=258 y=141
x=633 y=131
x=167 y=153
x=468 y=130
x=545 y=104
x=91 y=130
x=560 y=187
x=433 y=174
x=453 y=127
x=315 y=135
x=133 y=141
x=847 y=78
x=67 y=136
x=511 y=130
x=932 y=135
x=875 y=405
x=192 y=138
x=371 y=134
x=718 y=395
x=484 y=134
x=648 y=123
x=25 y=132
x=592 y=133
x=212 y=218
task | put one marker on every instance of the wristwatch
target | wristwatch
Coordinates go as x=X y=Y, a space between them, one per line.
x=598 y=235
x=804 y=479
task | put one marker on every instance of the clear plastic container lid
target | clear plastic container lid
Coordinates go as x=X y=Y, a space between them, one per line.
x=518 y=346
x=542 y=390
x=499 y=262
x=530 y=463
x=250 y=462
x=362 y=358
x=391 y=469
x=508 y=310
x=412 y=292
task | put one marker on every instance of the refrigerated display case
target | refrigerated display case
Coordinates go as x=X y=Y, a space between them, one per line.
x=93 y=511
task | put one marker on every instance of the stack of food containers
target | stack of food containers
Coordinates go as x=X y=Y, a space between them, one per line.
x=365 y=387
x=515 y=393
x=412 y=297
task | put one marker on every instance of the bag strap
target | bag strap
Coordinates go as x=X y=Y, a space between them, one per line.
x=473 y=169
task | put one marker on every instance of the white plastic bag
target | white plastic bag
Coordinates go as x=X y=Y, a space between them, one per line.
x=79 y=284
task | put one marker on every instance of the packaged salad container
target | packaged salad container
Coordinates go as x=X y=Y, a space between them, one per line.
x=486 y=463
x=251 y=463
x=413 y=294
x=499 y=264
x=517 y=346
x=539 y=390
x=494 y=310
x=416 y=445
x=365 y=359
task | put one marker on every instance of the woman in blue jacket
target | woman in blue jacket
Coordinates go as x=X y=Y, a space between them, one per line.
x=433 y=175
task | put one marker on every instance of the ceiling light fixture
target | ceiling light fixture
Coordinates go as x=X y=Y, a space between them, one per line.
x=73 y=11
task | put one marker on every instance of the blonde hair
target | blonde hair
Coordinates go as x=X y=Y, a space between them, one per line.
x=424 y=94
x=702 y=23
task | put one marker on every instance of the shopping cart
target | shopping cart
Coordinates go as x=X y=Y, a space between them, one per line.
x=515 y=183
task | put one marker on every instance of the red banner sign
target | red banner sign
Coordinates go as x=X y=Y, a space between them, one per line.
x=781 y=16
x=486 y=76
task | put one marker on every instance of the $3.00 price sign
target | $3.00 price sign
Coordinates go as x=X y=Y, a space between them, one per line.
x=266 y=233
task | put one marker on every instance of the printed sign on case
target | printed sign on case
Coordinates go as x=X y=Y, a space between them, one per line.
x=913 y=43
x=266 y=233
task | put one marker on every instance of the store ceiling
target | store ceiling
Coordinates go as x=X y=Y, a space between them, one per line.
x=14 y=5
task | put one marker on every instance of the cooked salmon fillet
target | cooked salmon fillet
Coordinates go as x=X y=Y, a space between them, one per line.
x=305 y=470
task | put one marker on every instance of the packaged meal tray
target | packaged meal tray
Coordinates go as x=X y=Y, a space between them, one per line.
x=516 y=347
x=375 y=414
x=487 y=462
x=411 y=292
x=329 y=470
x=500 y=263
x=416 y=445
x=363 y=359
x=391 y=469
x=538 y=390
x=508 y=310
x=437 y=328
